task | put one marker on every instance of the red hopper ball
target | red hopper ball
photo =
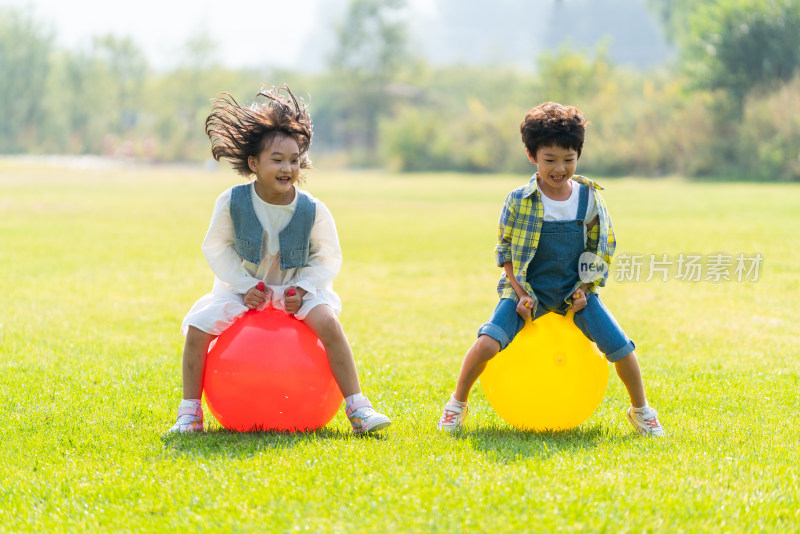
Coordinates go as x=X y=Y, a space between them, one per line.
x=268 y=371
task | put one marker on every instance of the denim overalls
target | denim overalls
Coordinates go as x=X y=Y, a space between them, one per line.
x=553 y=273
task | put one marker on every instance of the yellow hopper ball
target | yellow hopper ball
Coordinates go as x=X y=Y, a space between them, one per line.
x=550 y=377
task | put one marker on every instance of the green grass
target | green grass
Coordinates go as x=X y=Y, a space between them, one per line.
x=99 y=267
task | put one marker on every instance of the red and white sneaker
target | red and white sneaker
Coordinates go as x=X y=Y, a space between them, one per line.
x=453 y=416
x=190 y=417
x=364 y=418
x=645 y=421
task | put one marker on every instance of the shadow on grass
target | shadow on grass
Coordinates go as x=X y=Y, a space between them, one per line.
x=222 y=442
x=510 y=444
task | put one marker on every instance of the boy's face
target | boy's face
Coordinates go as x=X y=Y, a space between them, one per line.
x=556 y=165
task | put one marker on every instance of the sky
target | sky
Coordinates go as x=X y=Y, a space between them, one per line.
x=298 y=34
x=160 y=27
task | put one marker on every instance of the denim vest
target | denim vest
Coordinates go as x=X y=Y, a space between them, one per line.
x=249 y=234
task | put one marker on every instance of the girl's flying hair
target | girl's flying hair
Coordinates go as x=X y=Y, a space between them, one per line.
x=237 y=133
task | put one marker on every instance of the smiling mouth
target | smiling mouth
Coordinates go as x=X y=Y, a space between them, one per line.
x=284 y=179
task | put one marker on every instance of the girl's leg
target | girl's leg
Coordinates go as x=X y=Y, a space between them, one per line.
x=628 y=371
x=194 y=361
x=323 y=322
x=190 y=411
x=484 y=349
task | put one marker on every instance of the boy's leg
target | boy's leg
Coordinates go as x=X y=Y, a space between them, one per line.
x=600 y=326
x=484 y=349
x=323 y=322
x=493 y=336
x=190 y=411
x=455 y=410
x=631 y=375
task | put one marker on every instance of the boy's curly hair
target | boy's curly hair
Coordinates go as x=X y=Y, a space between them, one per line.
x=551 y=124
x=237 y=133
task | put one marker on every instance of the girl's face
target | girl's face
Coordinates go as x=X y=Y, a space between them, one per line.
x=277 y=168
x=556 y=166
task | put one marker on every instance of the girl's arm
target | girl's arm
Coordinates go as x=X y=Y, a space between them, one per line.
x=325 y=254
x=218 y=248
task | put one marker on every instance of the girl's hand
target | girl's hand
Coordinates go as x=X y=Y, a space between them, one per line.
x=293 y=299
x=524 y=307
x=579 y=299
x=256 y=296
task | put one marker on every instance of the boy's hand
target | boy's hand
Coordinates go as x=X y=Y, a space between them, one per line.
x=525 y=307
x=256 y=296
x=578 y=299
x=293 y=299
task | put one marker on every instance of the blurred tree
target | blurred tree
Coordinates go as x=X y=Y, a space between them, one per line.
x=95 y=96
x=126 y=65
x=737 y=45
x=179 y=100
x=370 y=53
x=568 y=77
x=672 y=14
x=25 y=48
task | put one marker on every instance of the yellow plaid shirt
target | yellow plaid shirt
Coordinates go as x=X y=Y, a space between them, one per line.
x=521 y=225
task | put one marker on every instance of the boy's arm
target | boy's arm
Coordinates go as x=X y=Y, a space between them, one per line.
x=525 y=304
x=518 y=289
x=592 y=242
x=606 y=255
x=505 y=228
x=592 y=236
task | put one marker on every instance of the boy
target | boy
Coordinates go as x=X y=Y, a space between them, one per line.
x=547 y=228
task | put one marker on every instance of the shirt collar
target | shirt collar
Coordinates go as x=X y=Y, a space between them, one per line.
x=532 y=187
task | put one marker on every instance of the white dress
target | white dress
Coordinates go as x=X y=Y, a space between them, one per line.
x=233 y=276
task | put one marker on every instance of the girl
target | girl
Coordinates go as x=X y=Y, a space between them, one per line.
x=268 y=230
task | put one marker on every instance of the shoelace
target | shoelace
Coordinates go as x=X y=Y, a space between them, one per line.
x=652 y=422
x=364 y=412
x=187 y=419
x=450 y=417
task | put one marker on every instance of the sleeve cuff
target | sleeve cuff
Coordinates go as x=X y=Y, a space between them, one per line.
x=308 y=287
x=245 y=285
x=502 y=258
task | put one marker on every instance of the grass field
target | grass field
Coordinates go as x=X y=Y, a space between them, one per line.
x=99 y=267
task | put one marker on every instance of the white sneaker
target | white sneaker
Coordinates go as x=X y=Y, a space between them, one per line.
x=364 y=418
x=190 y=417
x=452 y=416
x=645 y=422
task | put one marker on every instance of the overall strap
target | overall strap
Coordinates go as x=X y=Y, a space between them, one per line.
x=583 y=202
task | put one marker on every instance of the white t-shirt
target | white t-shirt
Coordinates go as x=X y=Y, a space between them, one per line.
x=567 y=210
